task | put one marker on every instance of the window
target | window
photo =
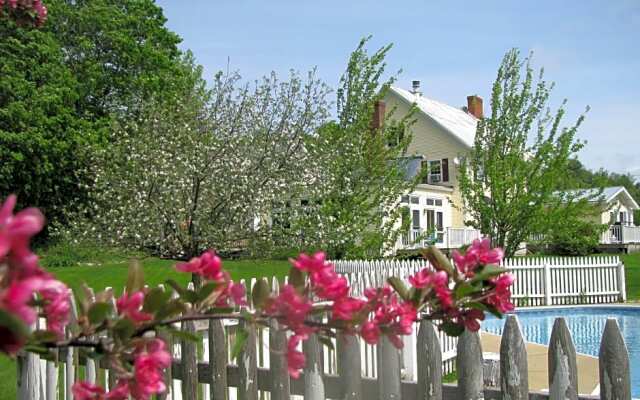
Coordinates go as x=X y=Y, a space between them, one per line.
x=404 y=199
x=435 y=171
x=430 y=202
x=435 y=224
x=434 y=202
x=438 y=202
x=415 y=219
x=415 y=200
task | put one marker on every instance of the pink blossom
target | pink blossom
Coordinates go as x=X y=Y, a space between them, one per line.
x=421 y=279
x=208 y=265
x=291 y=307
x=471 y=318
x=479 y=253
x=346 y=307
x=87 y=391
x=17 y=298
x=311 y=264
x=501 y=297
x=370 y=332
x=238 y=294
x=149 y=362
x=120 y=392
x=295 y=358
x=57 y=305
x=130 y=306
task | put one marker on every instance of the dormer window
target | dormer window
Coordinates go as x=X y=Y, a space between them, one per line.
x=437 y=171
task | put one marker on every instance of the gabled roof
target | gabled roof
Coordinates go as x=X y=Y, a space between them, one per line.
x=608 y=194
x=460 y=124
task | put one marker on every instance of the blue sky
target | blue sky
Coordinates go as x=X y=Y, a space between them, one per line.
x=589 y=49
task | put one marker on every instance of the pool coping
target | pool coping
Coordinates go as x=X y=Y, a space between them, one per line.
x=570 y=306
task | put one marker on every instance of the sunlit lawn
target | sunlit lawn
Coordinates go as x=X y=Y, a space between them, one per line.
x=112 y=272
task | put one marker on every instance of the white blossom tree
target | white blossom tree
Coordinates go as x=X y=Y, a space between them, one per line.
x=201 y=170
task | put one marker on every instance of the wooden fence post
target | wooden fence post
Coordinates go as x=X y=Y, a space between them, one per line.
x=248 y=365
x=349 y=366
x=189 y=363
x=563 y=372
x=514 y=372
x=388 y=370
x=548 y=300
x=622 y=282
x=280 y=384
x=217 y=360
x=28 y=373
x=469 y=366
x=615 y=381
x=430 y=363
x=313 y=383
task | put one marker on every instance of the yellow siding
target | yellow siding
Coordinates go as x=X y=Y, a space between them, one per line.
x=432 y=141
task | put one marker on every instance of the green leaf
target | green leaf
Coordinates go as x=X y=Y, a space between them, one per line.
x=241 y=338
x=98 y=312
x=452 y=329
x=438 y=260
x=260 y=293
x=487 y=272
x=184 y=335
x=42 y=336
x=463 y=289
x=124 y=329
x=155 y=299
x=297 y=279
x=399 y=287
x=135 y=277
x=14 y=324
x=171 y=308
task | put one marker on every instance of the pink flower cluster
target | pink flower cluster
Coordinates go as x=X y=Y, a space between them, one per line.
x=501 y=297
x=438 y=281
x=150 y=358
x=209 y=267
x=387 y=310
x=479 y=253
x=24 y=280
x=130 y=306
x=28 y=6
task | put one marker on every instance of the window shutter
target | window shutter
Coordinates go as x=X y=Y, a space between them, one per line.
x=445 y=170
x=424 y=165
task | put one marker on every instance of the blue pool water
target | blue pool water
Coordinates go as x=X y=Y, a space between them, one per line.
x=586 y=325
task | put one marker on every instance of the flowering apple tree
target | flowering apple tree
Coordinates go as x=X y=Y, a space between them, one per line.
x=203 y=170
x=317 y=300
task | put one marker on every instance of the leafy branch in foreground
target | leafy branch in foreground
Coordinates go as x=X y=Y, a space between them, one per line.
x=126 y=332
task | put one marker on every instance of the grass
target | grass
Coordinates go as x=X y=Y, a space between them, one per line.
x=632 y=274
x=100 y=269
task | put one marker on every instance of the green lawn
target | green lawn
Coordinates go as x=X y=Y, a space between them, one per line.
x=111 y=270
x=632 y=274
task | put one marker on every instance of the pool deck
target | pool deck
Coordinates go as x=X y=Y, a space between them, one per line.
x=588 y=379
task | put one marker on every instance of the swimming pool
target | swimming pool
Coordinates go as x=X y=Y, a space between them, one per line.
x=586 y=325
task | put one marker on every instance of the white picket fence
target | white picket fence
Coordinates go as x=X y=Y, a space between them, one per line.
x=538 y=281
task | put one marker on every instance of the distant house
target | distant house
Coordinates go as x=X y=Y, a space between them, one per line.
x=617 y=212
x=441 y=136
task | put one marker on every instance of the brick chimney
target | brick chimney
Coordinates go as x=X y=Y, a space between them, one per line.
x=474 y=106
x=379 y=108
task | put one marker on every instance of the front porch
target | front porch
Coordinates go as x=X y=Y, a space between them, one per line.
x=621 y=234
x=448 y=238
